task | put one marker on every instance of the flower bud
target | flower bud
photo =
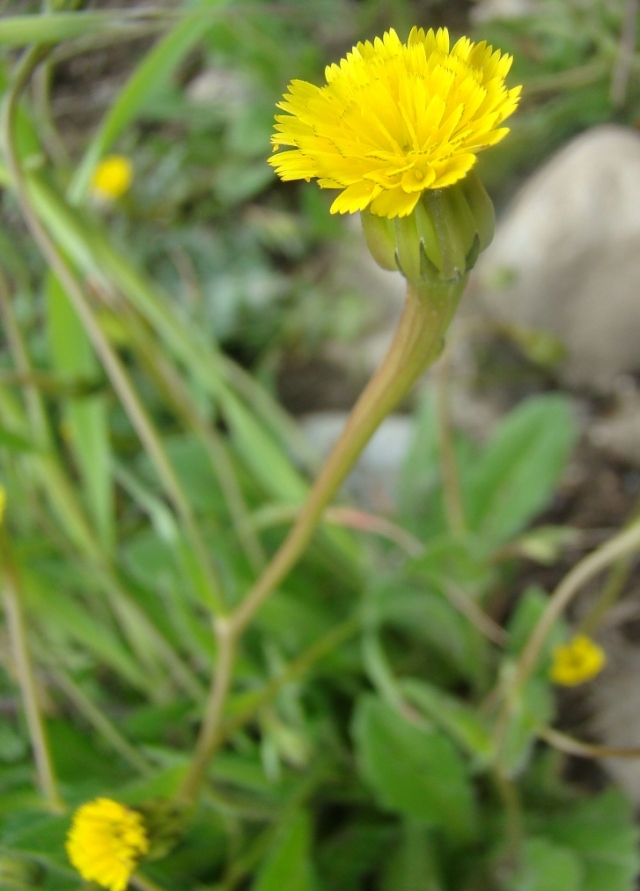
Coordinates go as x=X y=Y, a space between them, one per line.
x=379 y=233
x=441 y=239
x=166 y=825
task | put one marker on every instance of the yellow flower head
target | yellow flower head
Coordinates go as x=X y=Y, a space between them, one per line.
x=3 y=503
x=106 y=842
x=395 y=119
x=112 y=177
x=576 y=662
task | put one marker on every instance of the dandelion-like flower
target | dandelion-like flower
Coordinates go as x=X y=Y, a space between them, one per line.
x=106 y=841
x=577 y=661
x=112 y=177
x=395 y=119
x=3 y=503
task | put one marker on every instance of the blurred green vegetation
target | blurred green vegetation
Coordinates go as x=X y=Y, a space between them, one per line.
x=150 y=470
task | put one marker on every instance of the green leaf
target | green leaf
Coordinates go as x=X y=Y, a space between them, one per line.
x=526 y=615
x=602 y=832
x=413 y=772
x=414 y=865
x=546 y=866
x=427 y=616
x=262 y=454
x=354 y=851
x=288 y=865
x=535 y=706
x=86 y=419
x=458 y=720
x=520 y=468
x=57 y=610
x=14 y=442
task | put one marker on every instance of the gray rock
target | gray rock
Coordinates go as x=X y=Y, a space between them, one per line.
x=487 y=10
x=566 y=256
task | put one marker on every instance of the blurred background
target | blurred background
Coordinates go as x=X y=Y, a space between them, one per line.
x=263 y=273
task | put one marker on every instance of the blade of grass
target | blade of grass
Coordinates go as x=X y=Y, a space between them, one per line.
x=44 y=466
x=113 y=366
x=51 y=28
x=154 y=71
x=87 y=423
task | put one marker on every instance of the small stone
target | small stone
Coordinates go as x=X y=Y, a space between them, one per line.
x=487 y=10
x=565 y=257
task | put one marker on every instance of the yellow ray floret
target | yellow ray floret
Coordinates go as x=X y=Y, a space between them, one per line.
x=395 y=119
x=106 y=842
x=577 y=661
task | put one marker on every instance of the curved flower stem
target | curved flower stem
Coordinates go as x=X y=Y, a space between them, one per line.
x=620 y=545
x=416 y=344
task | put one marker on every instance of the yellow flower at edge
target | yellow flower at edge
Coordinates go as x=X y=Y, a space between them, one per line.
x=3 y=503
x=395 y=119
x=577 y=661
x=112 y=177
x=106 y=842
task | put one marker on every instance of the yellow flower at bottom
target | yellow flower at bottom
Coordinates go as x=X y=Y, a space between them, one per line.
x=106 y=841
x=112 y=177
x=577 y=661
x=395 y=119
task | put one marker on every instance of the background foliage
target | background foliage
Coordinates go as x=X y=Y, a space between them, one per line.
x=149 y=478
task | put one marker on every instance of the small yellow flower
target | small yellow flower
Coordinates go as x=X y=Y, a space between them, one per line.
x=577 y=661
x=112 y=177
x=395 y=119
x=3 y=503
x=106 y=841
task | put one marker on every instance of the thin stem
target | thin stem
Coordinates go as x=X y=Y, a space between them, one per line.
x=208 y=738
x=417 y=342
x=26 y=678
x=580 y=749
x=508 y=793
x=625 y=542
x=347 y=517
x=471 y=611
x=610 y=594
x=613 y=587
x=109 y=358
x=454 y=506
